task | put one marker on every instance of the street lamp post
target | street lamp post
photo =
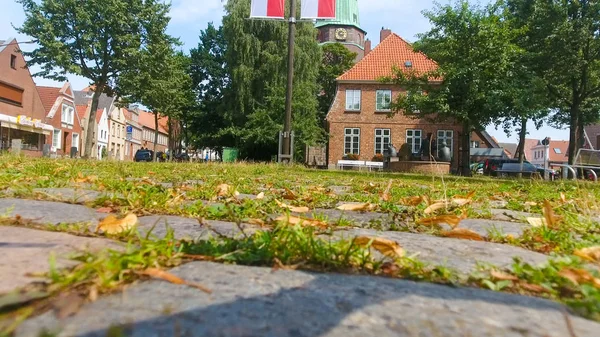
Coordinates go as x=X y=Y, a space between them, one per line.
x=286 y=138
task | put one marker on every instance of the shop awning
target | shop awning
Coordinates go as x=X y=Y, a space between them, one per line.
x=26 y=124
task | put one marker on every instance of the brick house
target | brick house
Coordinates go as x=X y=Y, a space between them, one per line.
x=146 y=120
x=358 y=118
x=133 y=141
x=61 y=113
x=22 y=114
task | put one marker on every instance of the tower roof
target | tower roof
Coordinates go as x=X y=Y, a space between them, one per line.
x=346 y=15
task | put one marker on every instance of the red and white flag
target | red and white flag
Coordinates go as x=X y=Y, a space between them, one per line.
x=272 y=9
x=318 y=9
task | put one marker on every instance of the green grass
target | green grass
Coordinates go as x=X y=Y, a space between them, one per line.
x=136 y=187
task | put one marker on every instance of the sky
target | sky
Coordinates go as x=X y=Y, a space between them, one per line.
x=189 y=17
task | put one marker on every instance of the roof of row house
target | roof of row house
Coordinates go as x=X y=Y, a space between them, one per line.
x=81 y=111
x=558 y=150
x=85 y=98
x=509 y=148
x=392 y=52
x=48 y=95
x=147 y=120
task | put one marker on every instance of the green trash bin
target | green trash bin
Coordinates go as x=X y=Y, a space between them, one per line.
x=230 y=155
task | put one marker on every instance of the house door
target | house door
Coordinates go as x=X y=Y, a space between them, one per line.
x=64 y=143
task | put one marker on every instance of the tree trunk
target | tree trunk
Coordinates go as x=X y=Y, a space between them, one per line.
x=573 y=133
x=89 y=133
x=465 y=153
x=170 y=135
x=521 y=147
x=155 y=135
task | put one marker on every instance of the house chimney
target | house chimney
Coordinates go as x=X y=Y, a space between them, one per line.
x=367 y=46
x=385 y=32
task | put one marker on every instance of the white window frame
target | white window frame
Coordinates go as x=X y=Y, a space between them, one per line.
x=353 y=135
x=444 y=135
x=414 y=138
x=56 y=144
x=385 y=137
x=380 y=98
x=73 y=142
x=353 y=99
x=67 y=114
x=475 y=142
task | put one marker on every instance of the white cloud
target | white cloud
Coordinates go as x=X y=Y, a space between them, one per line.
x=183 y=11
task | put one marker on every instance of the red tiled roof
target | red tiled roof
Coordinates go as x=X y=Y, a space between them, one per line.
x=99 y=115
x=562 y=155
x=48 y=95
x=394 y=51
x=81 y=110
x=147 y=120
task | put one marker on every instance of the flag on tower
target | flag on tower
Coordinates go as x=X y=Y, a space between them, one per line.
x=271 y=9
x=318 y=9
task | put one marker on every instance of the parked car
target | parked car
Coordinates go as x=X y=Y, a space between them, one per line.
x=143 y=156
x=182 y=157
x=512 y=167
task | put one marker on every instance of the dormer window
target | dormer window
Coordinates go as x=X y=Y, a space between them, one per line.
x=408 y=64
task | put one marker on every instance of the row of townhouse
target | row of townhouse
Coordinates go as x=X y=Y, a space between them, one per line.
x=54 y=120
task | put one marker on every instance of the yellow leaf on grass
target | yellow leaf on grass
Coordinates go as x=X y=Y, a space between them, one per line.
x=292 y=208
x=163 y=275
x=356 y=207
x=530 y=204
x=412 y=201
x=536 y=222
x=589 y=253
x=435 y=207
x=470 y=195
x=462 y=233
x=533 y=287
x=498 y=275
x=563 y=197
x=386 y=247
x=451 y=219
x=294 y=220
x=223 y=190
x=112 y=225
x=88 y=179
x=260 y=195
x=289 y=194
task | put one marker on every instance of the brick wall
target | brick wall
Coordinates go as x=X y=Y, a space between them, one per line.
x=367 y=119
x=21 y=78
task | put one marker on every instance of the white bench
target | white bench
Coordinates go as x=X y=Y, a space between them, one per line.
x=374 y=165
x=350 y=163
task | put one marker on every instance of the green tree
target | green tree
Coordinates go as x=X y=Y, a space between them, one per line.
x=337 y=59
x=96 y=39
x=564 y=50
x=256 y=61
x=210 y=80
x=473 y=49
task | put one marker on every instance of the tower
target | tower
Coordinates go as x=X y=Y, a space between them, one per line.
x=345 y=29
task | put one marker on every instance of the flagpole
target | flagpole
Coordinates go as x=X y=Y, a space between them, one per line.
x=287 y=150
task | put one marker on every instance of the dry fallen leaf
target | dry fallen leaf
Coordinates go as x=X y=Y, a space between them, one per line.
x=386 y=195
x=104 y=210
x=461 y=202
x=551 y=218
x=469 y=196
x=112 y=225
x=435 y=207
x=260 y=195
x=356 y=207
x=257 y=222
x=533 y=287
x=463 y=233
x=163 y=275
x=411 y=201
x=590 y=253
x=386 y=247
x=498 y=275
x=536 y=222
x=390 y=268
x=294 y=220
x=223 y=190
x=451 y=219
x=88 y=179
x=580 y=276
x=289 y=194
x=530 y=204
x=563 y=197
x=292 y=208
